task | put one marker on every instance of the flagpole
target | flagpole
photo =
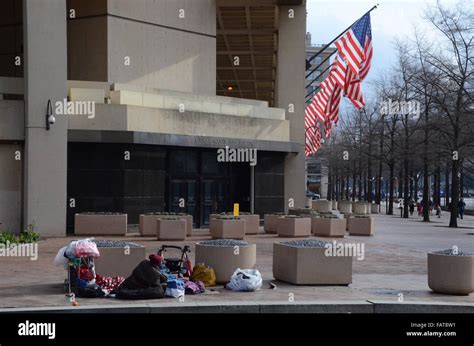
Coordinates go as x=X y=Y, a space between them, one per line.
x=338 y=36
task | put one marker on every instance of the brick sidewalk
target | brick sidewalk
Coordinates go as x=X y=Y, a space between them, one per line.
x=395 y=262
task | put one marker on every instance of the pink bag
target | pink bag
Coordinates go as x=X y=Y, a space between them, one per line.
x=86 y=248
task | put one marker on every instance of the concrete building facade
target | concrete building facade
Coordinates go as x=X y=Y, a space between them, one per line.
x=143 y=94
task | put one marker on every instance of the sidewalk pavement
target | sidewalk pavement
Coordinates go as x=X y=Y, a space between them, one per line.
x=395 y=262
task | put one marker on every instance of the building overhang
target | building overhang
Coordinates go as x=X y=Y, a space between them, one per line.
x=166 y=139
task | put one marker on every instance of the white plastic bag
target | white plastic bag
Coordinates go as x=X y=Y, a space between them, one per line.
x=60 y=260
x=245 y=280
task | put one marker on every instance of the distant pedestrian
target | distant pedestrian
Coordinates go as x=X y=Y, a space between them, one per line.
x=438 y=210
x=461 y=207
x=412 y=206
x=419 y=209
x=431 y=207
x=400 y=206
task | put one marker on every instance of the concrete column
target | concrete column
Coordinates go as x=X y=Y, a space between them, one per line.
x=290 y=89
x=45 y=161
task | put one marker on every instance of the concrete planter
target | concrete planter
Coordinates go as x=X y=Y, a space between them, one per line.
x=147 y=226
x=368 y=208
x=374 y=208
x=269 y=223
x=100 y=224
x=170 y=229
x=328 y=227
x=226 y=259
x=252 y=223
x=293 y=227
x=213 y=216
x=118 y=261
x=345 y=207
x=451 y=274
x=364 y=226
x=359 y=207
x=334 y=204
x=322 y=205
x=227 y=228
x=310 y=266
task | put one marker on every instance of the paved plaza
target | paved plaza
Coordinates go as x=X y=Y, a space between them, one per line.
x=395 y=262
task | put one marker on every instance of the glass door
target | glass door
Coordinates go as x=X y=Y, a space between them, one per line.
x=183 y=195
x=214 y=192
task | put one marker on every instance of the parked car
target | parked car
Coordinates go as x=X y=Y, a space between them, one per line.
x=312 y=195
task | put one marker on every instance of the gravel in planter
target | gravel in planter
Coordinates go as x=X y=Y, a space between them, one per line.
x=227 y=217
x=361 y=216
x=450 y=252
x=225 y=242
x=100 y=213
x=169 y=217
x=306 y=243
x=114 y=243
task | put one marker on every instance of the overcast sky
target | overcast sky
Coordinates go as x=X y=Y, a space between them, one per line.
x=326 y=19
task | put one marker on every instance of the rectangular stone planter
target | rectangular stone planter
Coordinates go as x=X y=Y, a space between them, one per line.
x=147 y=226
x=345 y=207
x=189 y=224
x=449 y=274
x=100 y=224
x=269 y=223
x=293 y=227
x=322 y=205
x=118 y=261
x=170 y=229
x=227 y=229
x=359 y=208
x=328 y=227
x=310 y=266
x=374 y=208
x=252 y=223
x=361 y=226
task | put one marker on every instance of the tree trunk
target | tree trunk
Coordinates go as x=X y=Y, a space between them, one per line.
x=347 y=186
x=354 y=177
x=365 y=187
x=453 y=221
x=446 y=186
x=406 y=186
x=426 y=192
x=391 y=188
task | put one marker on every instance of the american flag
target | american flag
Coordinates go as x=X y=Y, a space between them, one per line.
x=352 y=89
x=348 y=70
x=354 y=45
x=313 y=140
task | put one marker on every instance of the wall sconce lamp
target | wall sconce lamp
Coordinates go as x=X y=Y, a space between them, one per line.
x=50 y=119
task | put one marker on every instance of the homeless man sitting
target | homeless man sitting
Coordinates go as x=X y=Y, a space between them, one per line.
x=146 y=281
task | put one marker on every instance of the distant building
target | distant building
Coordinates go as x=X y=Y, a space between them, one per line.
x=170 y=82
x=312 y=49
